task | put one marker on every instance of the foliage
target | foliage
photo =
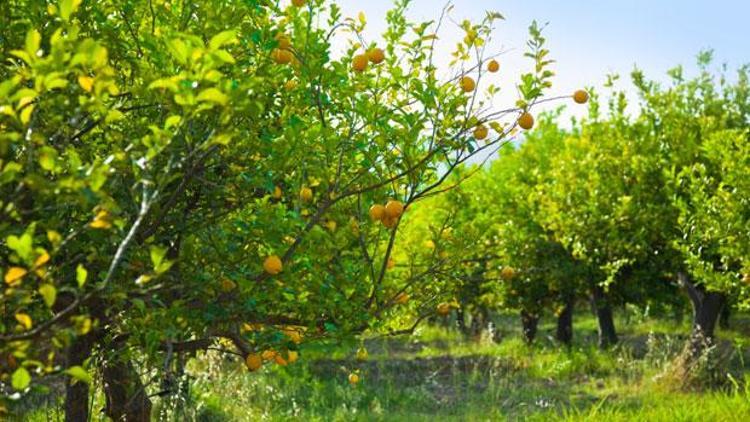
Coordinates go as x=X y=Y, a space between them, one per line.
x=154 y=155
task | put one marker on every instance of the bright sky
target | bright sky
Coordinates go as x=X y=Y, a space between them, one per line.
x=591 y=38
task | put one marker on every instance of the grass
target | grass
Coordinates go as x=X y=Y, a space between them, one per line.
x=438 y=374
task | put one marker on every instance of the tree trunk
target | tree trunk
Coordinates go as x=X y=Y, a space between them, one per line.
x=125 y=395
x=707 y=307
x=478 y=323
x=607 y=332
x=461 y=322
x=724 y=317
x=564 y=333
x=77 y=395
x=529 y=324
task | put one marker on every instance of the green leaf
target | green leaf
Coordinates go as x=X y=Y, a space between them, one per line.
x=22 y=55
x=79 y=374
x=172 y=121
x=157 y=255
x=164 y=266
x=81 y=275
x=20 y=379
x=49 y=294
x=221 y=39
x=47 y=158
x=213 y=95
x=179 y=50
x=224 y=56
x=68 y=7
x=33 y=39
x=22 y=246
x=166 y=83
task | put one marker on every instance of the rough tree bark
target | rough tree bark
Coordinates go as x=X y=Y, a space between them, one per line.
x=77 y=395
x=707 y=307
x=529 y=323
x=603 y=310
x=125 y=395
x=564 y=332
x=724 y=317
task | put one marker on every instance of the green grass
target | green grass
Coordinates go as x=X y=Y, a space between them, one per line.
x=439 y=374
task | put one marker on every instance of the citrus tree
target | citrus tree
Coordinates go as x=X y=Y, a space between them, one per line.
x=601 y=205
x=539 y=274
x=504 y=259
x=451 y=236
x=179 y=176
x=700 y=125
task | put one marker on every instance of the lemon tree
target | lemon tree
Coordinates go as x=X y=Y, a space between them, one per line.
x=177 y=176
x=701 y=126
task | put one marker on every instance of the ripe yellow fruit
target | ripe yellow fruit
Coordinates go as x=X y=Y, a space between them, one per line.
x=394 y=209
x=444 y=309
x=359 y=63
x=507 y=273
x=376 y=55
x=298 y=3
x=281 y=56
x=292 y=356
x=389 y=222
x=306 y=194
x=290 y=85
x=227 y=285
x=377 y=212
x=280 y=359
x=353 y=379
x=272 y=265
x=493 y=66
x=581 y=96
x=268 y=354
x=362 y=353
x=294 y=334
x=277 y=193
x=253 y=361
x=468 y=84
x=331 y=225
x=481 y=132
x=402 y=298
x=526 y=121
x=283 y=41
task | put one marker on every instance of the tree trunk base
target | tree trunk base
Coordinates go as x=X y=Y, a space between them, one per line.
x=529 y=324
x=564 y=332
x=607 y=332
x=694 y=363
x=126 y=398
x=77 y=394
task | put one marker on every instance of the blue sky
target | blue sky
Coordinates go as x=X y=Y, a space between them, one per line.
x=591 y=38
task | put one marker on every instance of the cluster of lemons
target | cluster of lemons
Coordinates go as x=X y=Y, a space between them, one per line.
x=387 y=214
x=360 y=62
x=282 y=54
x=254 y=361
